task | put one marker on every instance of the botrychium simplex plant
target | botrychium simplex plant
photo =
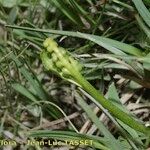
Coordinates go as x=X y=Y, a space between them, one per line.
x=57 y=59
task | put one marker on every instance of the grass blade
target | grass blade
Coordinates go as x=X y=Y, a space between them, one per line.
x=112 y=142
x=67 y=135
x=143 y=11
x=21 y=89
x=67 y=11
x=113 y=46
x=143 y=26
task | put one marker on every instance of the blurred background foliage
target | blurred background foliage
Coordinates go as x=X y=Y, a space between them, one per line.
x=116 y=62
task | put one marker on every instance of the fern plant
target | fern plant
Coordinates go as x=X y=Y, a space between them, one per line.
x=58 y=60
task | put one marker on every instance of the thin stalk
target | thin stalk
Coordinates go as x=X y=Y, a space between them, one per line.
x=114 y=110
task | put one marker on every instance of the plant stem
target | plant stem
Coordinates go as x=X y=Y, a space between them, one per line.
x=114 y=110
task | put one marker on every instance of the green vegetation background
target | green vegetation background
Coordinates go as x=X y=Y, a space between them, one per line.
x=35 y=102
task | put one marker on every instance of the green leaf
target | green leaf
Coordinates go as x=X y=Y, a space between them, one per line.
x=69 y=12
x=113 y=46
x=35 y=84
x=21 y=89
x=112 y=93
x=146 y=62
x=143 y=11
x=132 y=132
x=143 y=26
x=81 y=11
x=112 y=142
x=12 y=15
x=8 y=3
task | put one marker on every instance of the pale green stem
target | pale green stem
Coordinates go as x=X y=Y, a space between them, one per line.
x=114 y=110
